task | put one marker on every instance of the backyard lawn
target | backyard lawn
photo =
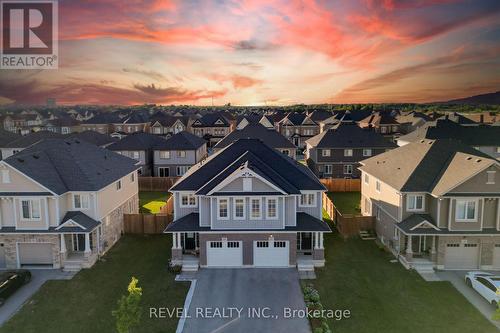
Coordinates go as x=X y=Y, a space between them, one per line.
x=346 y=202
x=384 y=297
x=151 y=202
x=84 y=304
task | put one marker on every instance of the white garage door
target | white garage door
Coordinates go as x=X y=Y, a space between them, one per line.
x=496 y=256
x=271 y=254
x=224 y=254
x=461 y=256
x=35 y=253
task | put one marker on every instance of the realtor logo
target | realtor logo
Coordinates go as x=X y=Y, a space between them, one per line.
x=29 y=34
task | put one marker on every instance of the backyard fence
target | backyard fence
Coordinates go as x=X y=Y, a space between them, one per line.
x=156 y=183
x=351 y=225
x=168 y=209
x=342 y=184
x=328 y=206
x=145 y=223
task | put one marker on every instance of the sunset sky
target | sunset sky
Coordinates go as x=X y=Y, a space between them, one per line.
x=258 y=52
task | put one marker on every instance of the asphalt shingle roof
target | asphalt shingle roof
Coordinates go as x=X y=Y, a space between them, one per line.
x=256 y=131
x=180 y=141
x=32 y=138
x=253 y=150
x=137 y=141
x=63 y=165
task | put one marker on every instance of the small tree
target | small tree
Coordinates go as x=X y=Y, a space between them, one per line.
x=129 y=311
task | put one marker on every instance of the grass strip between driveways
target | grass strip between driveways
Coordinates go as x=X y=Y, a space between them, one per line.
x=385 y=297
x=84 y=304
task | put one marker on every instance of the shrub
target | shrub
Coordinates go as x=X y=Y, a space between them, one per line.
x=128 y=313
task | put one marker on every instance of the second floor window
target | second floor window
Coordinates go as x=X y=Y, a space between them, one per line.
x=188 y=200
x=308 y=199
x=30 y=209
x=181 y=153
x=367 y=152
x=272 y=208
x=118 y=185
x=223 y=211
x=348 y=169
x=181 y=170
x=136 y=155
x=367 y=179
x=164 y=155
x=377 y=186
x=415 y=202
x=239 y=209
x=81 y=201
x=347 y=152
x=326 y=152
x=256 y=211
x=466 y=210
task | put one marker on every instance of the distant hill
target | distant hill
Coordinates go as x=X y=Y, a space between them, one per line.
x=490 y=98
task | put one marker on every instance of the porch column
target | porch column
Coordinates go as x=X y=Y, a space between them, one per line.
x=321 y=240
x=87 y=244
x=63 y=244
x=409 y=252
x=174 y=240
x=433 y=249
x=315 y=240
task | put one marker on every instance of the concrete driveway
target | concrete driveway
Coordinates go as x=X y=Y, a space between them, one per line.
x=229 y=300
x=38 y=278
x=457 y=278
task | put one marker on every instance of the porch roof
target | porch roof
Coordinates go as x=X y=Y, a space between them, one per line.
x=424 y=224
x=305 y=223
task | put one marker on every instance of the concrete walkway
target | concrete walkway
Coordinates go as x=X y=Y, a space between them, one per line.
x=38 y=278
x=237 y=300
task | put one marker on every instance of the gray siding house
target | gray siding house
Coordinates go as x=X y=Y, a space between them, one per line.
x=248 y=205
x=336 y=152
x=173 y=157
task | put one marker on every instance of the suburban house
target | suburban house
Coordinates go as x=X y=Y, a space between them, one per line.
x=98 y=139
x=382 y=122
x=297 y=127
x=101 y=123
x=23 y=142
x=212 y=127
x=173 y=157
x=167 y=125
x=62 y=204
x=436 y=203
x=248 y=119
x=336 y=152
x=62 y=125
x=248 y=205
x=256 y=131
x=482 y=137
x=270 y=120
x=132 y=123
x=138 y=146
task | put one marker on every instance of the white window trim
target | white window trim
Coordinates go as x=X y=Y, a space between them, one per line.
x=234 y=209
x=218 y=208
x=377 y=182
x=267 y=209
x=82 y=195
x=325 y=154
x=345 y=169
x=348 y=155
x=415 y=209
x=22 y=218
x=476 y=207
x=167 y=152
x=367 y=149
x=188 y=204
x=366 y=179
x=260 y=209
x=328 y=166
x=488 y=173
x=307 y=205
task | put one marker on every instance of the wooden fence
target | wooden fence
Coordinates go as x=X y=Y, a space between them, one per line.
x=328 y=206
x=145 y=223
x=342 y=184
x=351 y=225
x=168 y=209
x=156 y=183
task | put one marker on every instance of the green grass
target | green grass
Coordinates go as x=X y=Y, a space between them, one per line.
x=346 y=202
x=151 y=202
x=385 y=297
x=84 y=304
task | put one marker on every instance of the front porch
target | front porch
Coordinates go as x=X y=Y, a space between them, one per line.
x=416 y=251
x=79 y=250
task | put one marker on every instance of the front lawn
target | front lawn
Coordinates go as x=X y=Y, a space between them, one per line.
x=346 y=202
x=151 y=202
x=84 y=304
x=384 y=297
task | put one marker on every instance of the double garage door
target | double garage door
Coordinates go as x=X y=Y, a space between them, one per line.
x=265 y=253
x=461 y=256
x=35 y=254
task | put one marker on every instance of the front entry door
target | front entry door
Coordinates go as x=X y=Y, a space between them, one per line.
x=190 y=241
x=305 y=242
x=78 y=242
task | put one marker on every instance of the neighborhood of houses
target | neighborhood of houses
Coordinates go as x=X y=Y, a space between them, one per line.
x=251 y=189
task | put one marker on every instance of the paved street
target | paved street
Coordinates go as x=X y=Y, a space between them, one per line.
x=244 y=290
x=38 y=278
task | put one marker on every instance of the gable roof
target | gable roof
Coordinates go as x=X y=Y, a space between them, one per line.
x=103 y=118
x=256 y=131
x=380 y=118
x=93 y=137
x=211 y=120
x=432 y=166
x=63 y=165
x=32 y=138
x=137 y=141
x=252 y=152
x=83 y=221
x=180 y=141
x=349 y=135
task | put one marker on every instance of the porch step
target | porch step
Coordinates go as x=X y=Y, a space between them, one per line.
x=190 y=265
x=72 y=267
x=305 y=266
